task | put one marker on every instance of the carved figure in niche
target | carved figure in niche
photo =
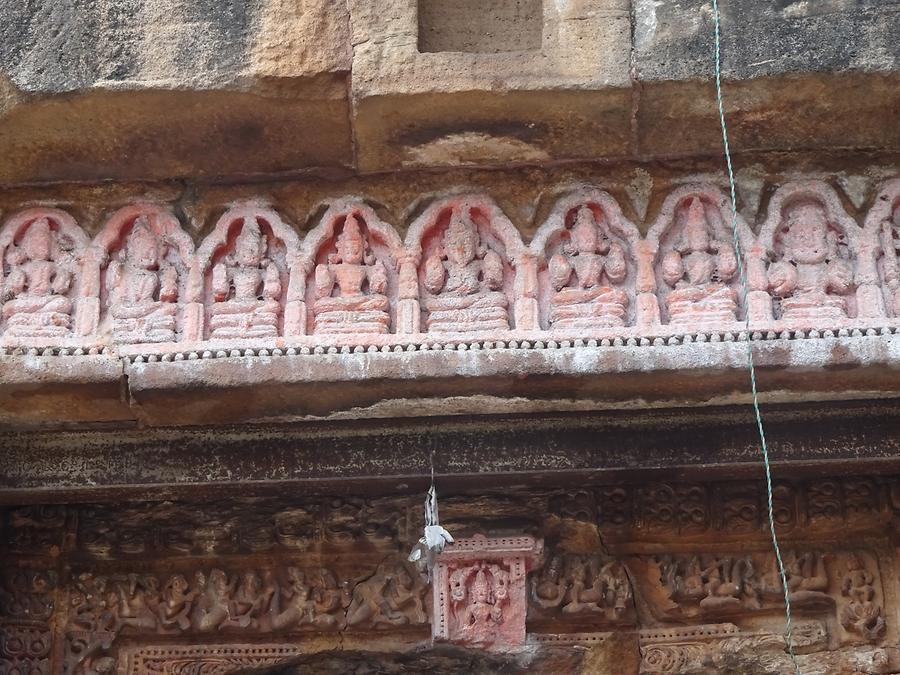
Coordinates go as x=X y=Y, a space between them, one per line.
x=393 y=597
x=211 y=606
x=484 y=609
x=246 y=289
x=143 y=288
x=697 y=269
x=585 y=277
x=548 y=588
x=862 y=614
x=249 y=601
x=351 y=287
x=41 y=271
x=812 y=275
x=464 y=278
x=135 y=598
x=889 y=237
x=174 y=610
x=807 y=580
x=728 y=585
x=593 y=588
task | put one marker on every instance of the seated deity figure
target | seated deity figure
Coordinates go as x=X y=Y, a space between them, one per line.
x=585 y=275
x=696 y=270
x=143 y=289
x=351 y=287
x=41 y=272
x=246 y=288
x=810 y=278
x=464 y=279
x=890 y=249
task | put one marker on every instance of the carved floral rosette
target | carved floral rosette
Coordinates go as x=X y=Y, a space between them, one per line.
x=695 y=260
x=465 y=252
x=803 y=271
x=590 y=267
x=41 y=251
x=248 y=277
x=479 y=589
x=351 y=264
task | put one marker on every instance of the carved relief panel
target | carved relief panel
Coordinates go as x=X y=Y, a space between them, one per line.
x=880 y=259
x=466 y=251
x=136 y=277
x=480 y=590
x=695 y=261
x=248 y=275
x=590 y=252
x=41 y=251
x=351 y=264
x=807 y=258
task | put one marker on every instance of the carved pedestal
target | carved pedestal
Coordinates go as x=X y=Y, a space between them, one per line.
x=479 y=591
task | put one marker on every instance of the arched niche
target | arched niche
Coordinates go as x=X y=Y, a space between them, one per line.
x=588 y=264
x=350 y=260
x=460 y=269
x=803 y=270
x=137 y=274
x=247 y=276
x=41 y=251
x=695 y=264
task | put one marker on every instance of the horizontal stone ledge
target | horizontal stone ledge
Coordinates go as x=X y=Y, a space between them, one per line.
x=496 y=451
x=303 y=383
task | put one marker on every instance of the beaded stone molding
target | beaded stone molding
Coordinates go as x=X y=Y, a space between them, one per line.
x=462 y=278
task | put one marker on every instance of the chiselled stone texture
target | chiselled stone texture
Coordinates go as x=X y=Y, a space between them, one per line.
x=462 y=271
x=662 y=583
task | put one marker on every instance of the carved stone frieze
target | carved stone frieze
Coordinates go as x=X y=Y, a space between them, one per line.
x=591 y=588
x=25 y=650
x=463 y=269
x=208 y=660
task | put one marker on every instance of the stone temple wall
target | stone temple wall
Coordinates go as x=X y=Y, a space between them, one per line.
x=266 y=266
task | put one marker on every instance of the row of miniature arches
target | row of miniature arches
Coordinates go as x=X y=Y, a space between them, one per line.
x=527 y=265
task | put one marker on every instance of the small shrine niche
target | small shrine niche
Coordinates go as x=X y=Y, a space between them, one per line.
x=145 y=261
x=466 y=276
x=696 y=265
x=40 y=253
x=352 y=273
x=811 y=273
x=883 y=228
x=246 y=262
x=589 y=279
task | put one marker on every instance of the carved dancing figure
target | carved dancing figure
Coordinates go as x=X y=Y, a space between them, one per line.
x=811 y=277
x=727 y=585
x=696 y=270
x=390 y=598
x=136 y=598
x=683 y=580
x=246 y=289
x=41 y=272
x=300 y=609
x=351 y=287
x=143 y=289
x=464 y=279
x=212 y=604
x=174 y=609
x=547 y=588
x=862 y=614
x=585 y=277
x=890 y=261
x=249 y=601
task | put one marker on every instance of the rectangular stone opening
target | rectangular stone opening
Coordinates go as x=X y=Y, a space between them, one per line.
x=480 y=26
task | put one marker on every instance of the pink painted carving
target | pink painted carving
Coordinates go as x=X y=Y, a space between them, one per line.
x=591 y=269
x=695 y=260
x=249 y=270
x=880 y=264
x=138 y=269
x=468 y=249
x=811 y=243
x=480 y=592
x=40 y=252
x=350 y=257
